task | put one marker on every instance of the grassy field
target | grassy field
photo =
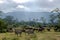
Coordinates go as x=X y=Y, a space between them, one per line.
x=36 y=36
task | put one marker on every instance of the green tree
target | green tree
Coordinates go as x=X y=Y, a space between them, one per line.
x=3 y=25
x=1 y=13
x=43 y=20
x=9 y=20
x=57 y=10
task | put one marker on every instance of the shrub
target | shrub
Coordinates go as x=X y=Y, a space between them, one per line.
x=15 y=38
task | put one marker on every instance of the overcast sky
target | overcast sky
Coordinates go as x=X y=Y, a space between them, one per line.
x=29 y=5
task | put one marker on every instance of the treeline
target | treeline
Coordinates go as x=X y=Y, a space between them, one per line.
x=11 y=22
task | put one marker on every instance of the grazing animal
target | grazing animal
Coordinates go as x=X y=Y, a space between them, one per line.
x=48 y=29
x=9 y=30
x=29 y=31
x=41 y=29
x=56 y=28
x=35 y=29
x=18 y=31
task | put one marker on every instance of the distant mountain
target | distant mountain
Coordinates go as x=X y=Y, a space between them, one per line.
x=28 y=15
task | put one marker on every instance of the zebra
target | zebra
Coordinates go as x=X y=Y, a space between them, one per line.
x=18 y=31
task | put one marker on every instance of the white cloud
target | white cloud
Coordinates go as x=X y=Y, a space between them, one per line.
x=1 y=1
x=29 y=5
x=27 y=9
x=20 y=6
x=21 y=1
x=44 y=9
x=50 y=0
x=23 y=7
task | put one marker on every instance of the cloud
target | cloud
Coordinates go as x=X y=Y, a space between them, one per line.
x=50 y=0
x=29 y=5
x=1 y=1
x=22 y=1
x=20 y=6
x=23 y=7
x=8 y=6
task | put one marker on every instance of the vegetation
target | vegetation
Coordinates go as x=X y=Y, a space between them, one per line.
x=36 y=36
x=10 y=22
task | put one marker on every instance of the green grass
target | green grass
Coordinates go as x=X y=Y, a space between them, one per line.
x=36 y=36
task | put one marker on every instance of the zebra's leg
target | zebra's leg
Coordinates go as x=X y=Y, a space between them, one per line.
x=20 y=34
x=17 y=35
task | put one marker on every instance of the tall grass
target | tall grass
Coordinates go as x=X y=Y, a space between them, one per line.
x=14 y=38
x=36 y=36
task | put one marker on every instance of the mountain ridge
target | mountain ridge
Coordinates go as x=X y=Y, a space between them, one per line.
x=28 y=15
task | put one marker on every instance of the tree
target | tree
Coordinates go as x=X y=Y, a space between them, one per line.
x=53 y=17
x=43 y=20
x=9 y=19
x=52 y=20
x=57 y=10
x=1 y=13
x=3 y=25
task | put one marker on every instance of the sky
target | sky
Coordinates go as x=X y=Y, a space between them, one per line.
x=29 y=5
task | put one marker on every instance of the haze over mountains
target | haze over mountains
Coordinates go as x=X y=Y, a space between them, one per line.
x=28 y=15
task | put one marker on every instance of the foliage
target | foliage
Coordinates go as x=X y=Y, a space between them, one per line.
x=3 y=25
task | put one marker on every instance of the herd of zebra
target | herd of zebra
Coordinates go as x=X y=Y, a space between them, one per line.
x=27 y=30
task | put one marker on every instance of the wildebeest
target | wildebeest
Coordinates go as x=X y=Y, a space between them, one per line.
x=18 y=32
x=41 y=29
x=9 y=30
x=48 y=29
x=26 y=31
x=57 y=28
x=29 y=31
x=35 y=29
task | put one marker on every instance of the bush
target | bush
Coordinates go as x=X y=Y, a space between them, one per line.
x=4 y=38
x=15 y=39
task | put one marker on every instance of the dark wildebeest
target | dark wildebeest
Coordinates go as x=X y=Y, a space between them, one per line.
x=48 y=29
x=9 y=30
x=18 y=31
x=57 y=28
x=35 y=29
x=41 y=29
x=29 y=31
